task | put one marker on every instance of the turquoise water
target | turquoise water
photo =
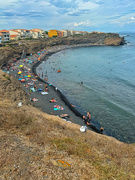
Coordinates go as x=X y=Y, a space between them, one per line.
x=108 y=89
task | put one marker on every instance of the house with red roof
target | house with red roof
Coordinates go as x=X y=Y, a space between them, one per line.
x=14 y=34
x=14 y=37
x=41 y=32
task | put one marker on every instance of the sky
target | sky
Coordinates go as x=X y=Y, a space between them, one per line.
x=78 y=15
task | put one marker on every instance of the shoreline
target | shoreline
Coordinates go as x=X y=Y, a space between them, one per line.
x=95 y=125
x=77 y=117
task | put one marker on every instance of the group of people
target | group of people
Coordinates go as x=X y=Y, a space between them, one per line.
x=87 y=118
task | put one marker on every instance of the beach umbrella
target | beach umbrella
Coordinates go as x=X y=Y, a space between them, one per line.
x=20 y=79
x=19 y=72
x=29 y=76
x=21 y=65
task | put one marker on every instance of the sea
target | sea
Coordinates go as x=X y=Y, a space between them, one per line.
x=99 y=80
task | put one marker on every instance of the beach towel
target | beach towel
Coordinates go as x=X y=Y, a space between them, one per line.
x=31 y=83
x=57 y=107
x=34 y=99
x=34 y=79
x=43 y=93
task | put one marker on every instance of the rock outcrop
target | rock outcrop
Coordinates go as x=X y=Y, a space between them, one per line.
x=14 y=49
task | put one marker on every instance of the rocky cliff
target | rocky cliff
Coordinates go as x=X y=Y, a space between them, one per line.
x=14 y=49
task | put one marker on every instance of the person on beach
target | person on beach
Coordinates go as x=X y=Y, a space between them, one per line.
x=46 y=88
x=72 y=105
x=35 y=86
x=84 y=119
x=42 y=74
x=101 y=129
x=56 y=89
x=88 y=115
x=53 y=100
x=88 y=123
x=64 y=115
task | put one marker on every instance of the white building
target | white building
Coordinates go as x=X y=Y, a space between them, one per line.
x=5 y=35
x=1 y=37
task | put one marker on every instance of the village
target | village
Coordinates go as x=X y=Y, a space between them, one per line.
x=18 y=34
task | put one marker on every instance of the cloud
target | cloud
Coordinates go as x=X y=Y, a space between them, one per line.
x=87 y=5
x=78 y=14
x=6 y=3
x=86 y=23
x=124 y=20
x=78 y=24
x=132 y=18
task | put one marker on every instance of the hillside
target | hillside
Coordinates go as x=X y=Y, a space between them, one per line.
x=35 y=145
x=13 y=50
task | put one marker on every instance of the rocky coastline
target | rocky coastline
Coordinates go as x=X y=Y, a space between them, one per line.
x=14 y=49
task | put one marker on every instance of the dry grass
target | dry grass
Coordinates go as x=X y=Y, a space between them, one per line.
x=53 y=149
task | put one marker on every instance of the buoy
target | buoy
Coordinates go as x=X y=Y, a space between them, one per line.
x=59 y=71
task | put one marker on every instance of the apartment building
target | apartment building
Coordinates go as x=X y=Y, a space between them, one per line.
x=60 y=34
x=5 y=35
x=1 y=37
x=42 y=32
x=72 y=32
x=35 y=34
x=52 y=33
x=14 y=34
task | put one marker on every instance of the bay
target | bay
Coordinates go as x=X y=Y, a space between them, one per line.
x=108 y=89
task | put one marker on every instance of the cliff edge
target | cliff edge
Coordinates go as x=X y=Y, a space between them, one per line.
x=35 y=145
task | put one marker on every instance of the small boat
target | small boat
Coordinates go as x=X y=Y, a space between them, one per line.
x=59 y=71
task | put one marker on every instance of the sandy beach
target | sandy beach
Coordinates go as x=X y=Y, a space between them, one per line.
x=25 y=69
